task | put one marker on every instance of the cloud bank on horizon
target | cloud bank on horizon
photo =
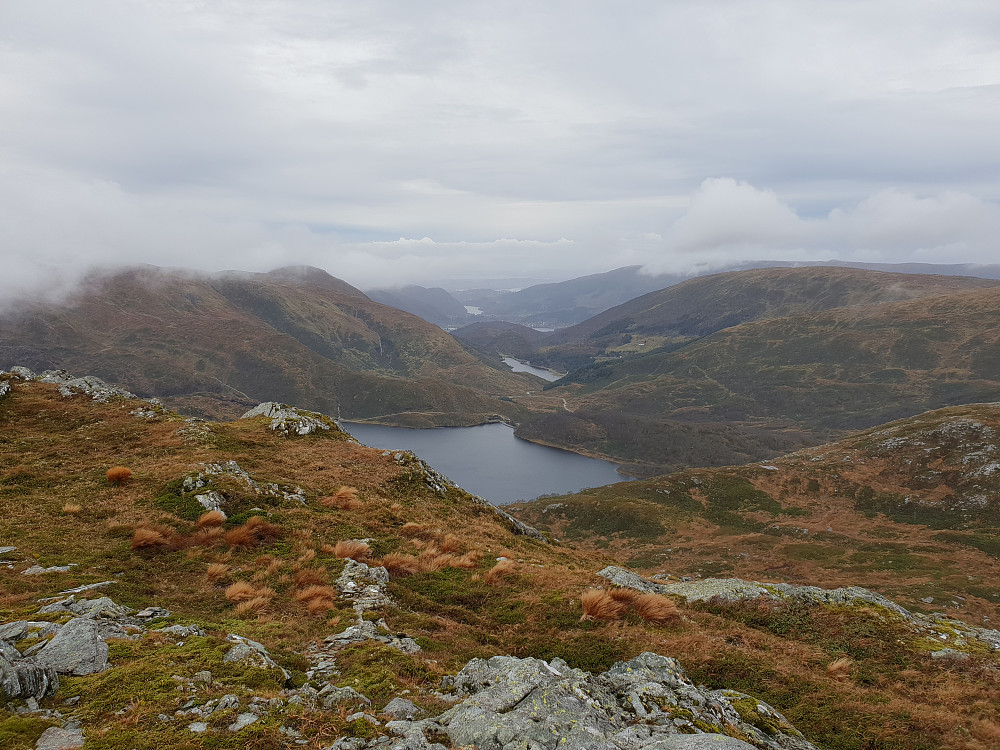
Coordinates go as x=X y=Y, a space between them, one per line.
x=392 y=142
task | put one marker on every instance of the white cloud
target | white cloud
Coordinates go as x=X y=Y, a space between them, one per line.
x=229 y=134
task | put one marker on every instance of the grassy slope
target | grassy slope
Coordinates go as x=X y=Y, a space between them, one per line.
x=55 y=451
x=911 y=509
x=223 y=342
x=752 y=390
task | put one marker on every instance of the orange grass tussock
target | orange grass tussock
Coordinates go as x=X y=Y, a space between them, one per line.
x=155 y=539
x=625 y=597
x=346 y=498
x=400 y=565
x=118 y=475
x=310 y=577
x=216 y=571
x=412 y=529
x=317 y=598
x=211 y=518
x=207 y=536
x=256 y=530
x=240 y=591
x=252 y=606
x=451 y=543
x=502 y=570
x=72 y=509
x=598 y=604
x=656 y=609
x=354 y=549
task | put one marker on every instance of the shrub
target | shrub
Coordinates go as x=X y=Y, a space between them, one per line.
x=354 y=549
x=656 y=609
x=118 y=475
x=211 y=518
x=599 y=605
x=155 y=539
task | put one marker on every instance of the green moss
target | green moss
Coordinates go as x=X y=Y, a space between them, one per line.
x=749 y=711
x=379 y=672
x=172 y=499
x=22 y=732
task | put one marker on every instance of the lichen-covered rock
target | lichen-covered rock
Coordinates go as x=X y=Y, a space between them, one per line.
x=252 y=653
x=331 y=696
x=289 y=420
x=70 y=385
x=76 y=649
x=636 y=705
x=400 y=708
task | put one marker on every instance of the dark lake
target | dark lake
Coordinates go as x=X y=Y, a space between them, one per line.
x=487 y=460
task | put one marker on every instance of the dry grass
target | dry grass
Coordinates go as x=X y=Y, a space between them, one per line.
x=256 y=530
x=502 y=570
x=211 y=519
x=311 y=577
x=354 y=549
x=400 y=565
x=839 y=669
x=417 y=530
x=118 y=475
x=625 y=597
x=72 y=509
x=327 y=549
x=598 y=604
x=308 y=556
x=346 y=498
x=207 y=536
x=317 y=598
x=656 y=609
x=240 y=591
x=451 y=543
x=155 y=539
x=255 y=605
x=216 y=571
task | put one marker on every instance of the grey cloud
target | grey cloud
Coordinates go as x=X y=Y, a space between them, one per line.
x=229 y=134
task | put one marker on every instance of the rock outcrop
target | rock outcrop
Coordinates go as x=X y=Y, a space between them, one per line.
x=937 y=626
x=291 y=421
x=641 y=704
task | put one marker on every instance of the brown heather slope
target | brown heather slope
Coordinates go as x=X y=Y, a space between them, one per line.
x=910 y=509
x=765 y=387
x=218 y=344
x=703 y=305
x=55 y=451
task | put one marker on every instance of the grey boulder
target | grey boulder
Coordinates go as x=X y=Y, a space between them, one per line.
x=21 y=679
x=76 y=649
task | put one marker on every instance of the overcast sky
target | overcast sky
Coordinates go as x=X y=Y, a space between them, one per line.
x=391 y=141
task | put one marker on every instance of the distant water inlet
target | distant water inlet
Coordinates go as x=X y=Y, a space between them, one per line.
x=518 y=366
x=487 y=460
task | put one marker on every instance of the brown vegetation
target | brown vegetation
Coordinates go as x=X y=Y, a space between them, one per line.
x=207 y=536
x=257 y=530
x=317 y=598
x=240 y=591
x=839 y=669
x=598 y=604
x=118 y=475
x=354 y=549
x=310 y=576
x=656 y=609
x=346 y=498
x=216 y=571
x=72 y=509
x=502 y=570
x=155 y=539
x=211 y=518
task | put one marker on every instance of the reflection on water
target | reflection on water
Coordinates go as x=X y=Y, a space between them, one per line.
x=487 y=460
